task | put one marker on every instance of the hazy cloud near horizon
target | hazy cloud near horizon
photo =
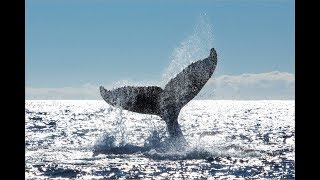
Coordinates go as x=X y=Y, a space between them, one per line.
x=270 y=85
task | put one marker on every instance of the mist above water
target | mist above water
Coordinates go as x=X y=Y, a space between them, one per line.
x=195 y=47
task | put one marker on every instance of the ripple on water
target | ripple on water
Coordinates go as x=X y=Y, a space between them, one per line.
x=227 y=139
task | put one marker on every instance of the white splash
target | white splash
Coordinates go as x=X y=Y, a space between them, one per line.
x=251 y=139
x=195 y=47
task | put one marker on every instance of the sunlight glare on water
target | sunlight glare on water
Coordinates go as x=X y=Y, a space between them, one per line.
x=81 y=139
x=89 y=139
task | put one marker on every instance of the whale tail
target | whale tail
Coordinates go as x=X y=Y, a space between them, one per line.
x=143 y=100
x=166 y=102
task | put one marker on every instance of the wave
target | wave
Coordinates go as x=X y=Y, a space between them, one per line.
x=160 y=147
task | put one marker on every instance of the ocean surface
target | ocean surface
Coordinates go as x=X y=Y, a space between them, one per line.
x=226 y=140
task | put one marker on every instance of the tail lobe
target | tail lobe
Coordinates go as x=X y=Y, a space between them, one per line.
x=168 y=102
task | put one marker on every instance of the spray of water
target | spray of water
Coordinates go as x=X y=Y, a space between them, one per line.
x=122 y=83
x=195 y=47
x=120 y=128
x=118 y=135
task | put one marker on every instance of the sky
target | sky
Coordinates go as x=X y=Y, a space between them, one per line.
x=73 y=46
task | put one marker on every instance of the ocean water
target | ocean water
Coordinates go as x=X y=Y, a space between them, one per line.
x=226 y=140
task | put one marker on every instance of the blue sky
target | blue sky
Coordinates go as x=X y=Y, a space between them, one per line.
x=70 y=43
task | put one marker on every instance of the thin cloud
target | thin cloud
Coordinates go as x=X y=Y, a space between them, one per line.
x=84 y=92
x=270 y=85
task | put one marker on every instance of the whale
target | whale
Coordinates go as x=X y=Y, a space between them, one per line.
x=165 y=102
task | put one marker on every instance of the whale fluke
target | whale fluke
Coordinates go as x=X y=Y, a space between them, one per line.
x=137 y=99
x=166 y=102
